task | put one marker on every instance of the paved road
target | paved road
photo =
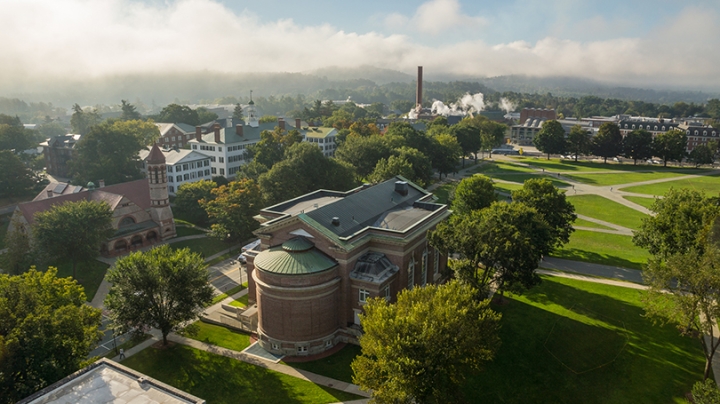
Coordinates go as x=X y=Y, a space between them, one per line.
x=586 y=268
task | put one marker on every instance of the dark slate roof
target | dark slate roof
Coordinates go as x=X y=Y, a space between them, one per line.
x=362 y=209
x=228 y=135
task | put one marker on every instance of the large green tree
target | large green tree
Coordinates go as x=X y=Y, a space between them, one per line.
x=502 y=243
x=72 y=231
x=551 y=138
x=187 y=200
x=14 y=136
x=394 y=165
x=685 y=291
x=445 y=153
x=109 y=153
x=175 y=113
x=637 y=145
x=16 y=258
x=473 y=193
x=578 y=141
x=421 y=348
x=363 y=153
x=608 y=141
x=161 y=288
x=82 y=121
x=146 y=132
x=552 y=204
x=701 y=155
x=129 y=112
x=670 y=146
x=232 y=209
x=16 y=179
x=46 y=331
x=468 y=137
x=272 y=145
x=680 y=223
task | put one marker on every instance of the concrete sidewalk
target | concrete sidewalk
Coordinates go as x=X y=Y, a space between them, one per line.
x=598 y=270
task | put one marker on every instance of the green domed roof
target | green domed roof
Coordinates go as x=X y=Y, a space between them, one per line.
x=294 y=257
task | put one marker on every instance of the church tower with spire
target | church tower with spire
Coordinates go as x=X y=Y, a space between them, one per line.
x=160 y=210
x=252 y=120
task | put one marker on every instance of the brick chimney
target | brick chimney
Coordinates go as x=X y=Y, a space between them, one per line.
x=216 y=130
x=239 y=130
x=102 y=183
x=281 y=123
x=49 y=193
x=297 y=123
x=198 y=134
x=418 y=93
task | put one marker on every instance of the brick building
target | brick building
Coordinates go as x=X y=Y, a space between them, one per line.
x=322 y=255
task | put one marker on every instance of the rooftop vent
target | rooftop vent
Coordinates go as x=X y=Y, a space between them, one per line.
x=336 y=221
x=401 y=187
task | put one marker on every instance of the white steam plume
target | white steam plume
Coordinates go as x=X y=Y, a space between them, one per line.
x=507 y=105
x=466 y=104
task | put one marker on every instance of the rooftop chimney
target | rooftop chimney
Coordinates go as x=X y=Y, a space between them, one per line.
x=297 y=123
x=49 y=193
x=216 y=130
x=418 y=95
x=198 y=134
x=102 y=183
x=239 y=130
x=401 y=187
x=281 y=123
x=336 y=221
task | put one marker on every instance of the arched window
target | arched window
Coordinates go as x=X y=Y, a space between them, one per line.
x=151 y=237
x=120 y=245
x=411 y=273
x=663 y=128
x=423 y=273
x=136 y=241
x=127 y=221
x=655 y=127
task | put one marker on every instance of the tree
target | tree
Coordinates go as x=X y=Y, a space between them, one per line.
x=108 y=153
x=394 y=165
x=233 y=208
x=608 y=141
x=82 y=121
x=175 y=113
x=268 y=119
x=205 y=116
x=129 y=112
x=51 y=129
x=420 y=163
x=161 y=288
x=15 y=178
x=445 y=153
x=468 y=137
x=411 y=137
x=705 y=392
x=187 y=200
x=363 y=153
x=146 y=132
x=637 y=145
x=491 y=133
x=73 y=231
x=272 y=145
x=701 y=155
x=17 y=241
x=16 y=138
x=238 y=112
x=46 y=331
x=552 y=204
x=681 y=221
x=420 y=349
x=473 y=193
x=685 y=291
x=551 y=138
x=579 y=141
x=502 y=243
x=670 y=145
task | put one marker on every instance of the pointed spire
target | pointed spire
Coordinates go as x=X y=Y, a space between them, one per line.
x=156 y=156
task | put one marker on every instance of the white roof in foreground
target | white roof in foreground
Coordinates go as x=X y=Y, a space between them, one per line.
x=106 y=381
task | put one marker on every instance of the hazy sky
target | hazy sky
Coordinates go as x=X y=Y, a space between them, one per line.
x=666 y=43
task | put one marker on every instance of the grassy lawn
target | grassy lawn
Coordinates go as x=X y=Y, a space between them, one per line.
x=586 y=223
x=603 y=248
x=227 y=293
x=522 y=177
x=501 y=168
x=443 y=191
x=604 y=209
x=183 y=231
x=241 y=302
x=205 y=246
x=580 y=166
x=708 y=183
x=646 y=202
x=336 y=366
x=568 y=341
x=622 y=178
x=89 y=274
x=219 y=380
x=220 y=336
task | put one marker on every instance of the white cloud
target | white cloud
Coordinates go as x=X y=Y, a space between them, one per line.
x=81 y=38
x=434 y=17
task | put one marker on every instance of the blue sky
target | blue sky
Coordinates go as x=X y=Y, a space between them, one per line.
x=642 y=43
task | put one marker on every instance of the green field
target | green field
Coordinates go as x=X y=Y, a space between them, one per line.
x=183 y=231
x=219 y=379
x=707 y=183
x=606 y=210
x=241 y=302
x=603 y=248
x=522 y=177
x=621 y=178
x=584 y=166
x=220 y=336
x=586 y=223
x=443 y=192
x=204 y=246
x=646 y=202
x=569 y=341
x=89 y=274
x=336 y=366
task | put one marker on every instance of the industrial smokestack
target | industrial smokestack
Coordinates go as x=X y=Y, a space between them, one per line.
x=418 y=96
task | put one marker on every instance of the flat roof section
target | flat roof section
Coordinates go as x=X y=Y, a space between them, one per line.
x=305 y=206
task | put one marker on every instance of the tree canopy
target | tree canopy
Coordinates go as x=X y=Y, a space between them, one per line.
x=670 y=146
x=445 y=153
x=146 y=132
x=363 y=152
x=421 y=348
x=468 y=137
x=129 y=112
x=161 y=288
x=579 y=141
x=46 y=331
x=187 y=201
x=608 y=141
x=17 y=241
x=82 y=121
x=232 y=209
x=107 y=152
x=700 y=155
x=16 y=179
x=473 y=193
x=637 y=145
x=552 y=204
x=72 y=231
x=551 y=138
